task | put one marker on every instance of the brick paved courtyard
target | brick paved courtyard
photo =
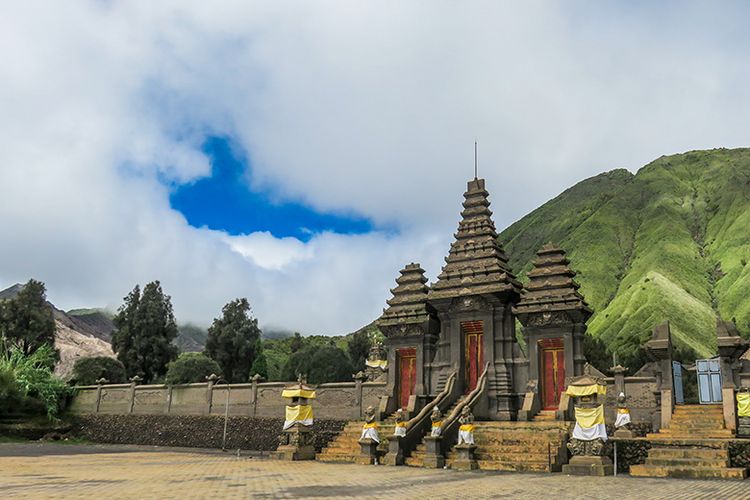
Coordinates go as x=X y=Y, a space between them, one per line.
x=95 y=471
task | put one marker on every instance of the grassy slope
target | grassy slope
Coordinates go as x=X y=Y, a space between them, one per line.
x=670 y=242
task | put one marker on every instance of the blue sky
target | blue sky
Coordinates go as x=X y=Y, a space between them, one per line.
x=225 y=201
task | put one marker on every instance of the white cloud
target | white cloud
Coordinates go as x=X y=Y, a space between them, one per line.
x=364 y=107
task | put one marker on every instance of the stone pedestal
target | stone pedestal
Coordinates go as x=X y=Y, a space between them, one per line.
x=743 y=430
x=395 y=455
x=465 y=457
x=433 y=457
x=295 y=444
x=368 y=451
x=623 y=433
x=583 y=465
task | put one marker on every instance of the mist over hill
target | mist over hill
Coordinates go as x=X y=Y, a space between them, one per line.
x=671 y=242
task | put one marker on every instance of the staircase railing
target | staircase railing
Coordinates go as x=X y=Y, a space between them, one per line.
x=449 y=429
x=420 y=424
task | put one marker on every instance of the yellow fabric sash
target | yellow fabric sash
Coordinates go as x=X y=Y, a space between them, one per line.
x=371 y=425
x=466 y=427
x=586 y=390
x=743 y=404
x=299 y=413
x=590 y=417
x=298 y=393
x=437 y=424
x=377 y=363
x=623 y=410
x=400 y=424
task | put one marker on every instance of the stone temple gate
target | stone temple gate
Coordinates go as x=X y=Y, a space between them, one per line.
x=464 y=323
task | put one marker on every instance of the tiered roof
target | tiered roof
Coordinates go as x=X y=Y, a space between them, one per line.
x=476 y=263
x=409 y=302
x=551 y=286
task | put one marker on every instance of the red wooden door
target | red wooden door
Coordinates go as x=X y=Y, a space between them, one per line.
x=473 y=335
x=407 y=374
x=553 y=372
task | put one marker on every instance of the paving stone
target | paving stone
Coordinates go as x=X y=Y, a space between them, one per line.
x=61 y=471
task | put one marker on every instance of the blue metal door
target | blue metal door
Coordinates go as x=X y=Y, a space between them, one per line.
x=679 y=398
x=709 y=380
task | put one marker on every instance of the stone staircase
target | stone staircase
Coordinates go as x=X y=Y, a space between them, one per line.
x=513 y=446
x=544 y=416
x=416 y=457
x=345 y=447
x=696 y=445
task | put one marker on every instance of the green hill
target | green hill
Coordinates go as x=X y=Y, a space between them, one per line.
x=671 y=242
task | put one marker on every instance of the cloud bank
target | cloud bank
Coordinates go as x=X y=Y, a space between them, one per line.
x=350 y=107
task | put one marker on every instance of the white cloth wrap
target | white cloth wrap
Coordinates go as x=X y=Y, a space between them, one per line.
x=622 y=419
x=599 y=431
x=288 y=423
x=466 y=437
x=399 y=431
x=435 y=431
x=370 y=433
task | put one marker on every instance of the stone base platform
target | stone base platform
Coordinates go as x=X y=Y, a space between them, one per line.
x=589 y=466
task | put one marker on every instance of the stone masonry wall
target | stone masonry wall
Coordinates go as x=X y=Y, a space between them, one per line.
x=336 y=401
x=204 y=431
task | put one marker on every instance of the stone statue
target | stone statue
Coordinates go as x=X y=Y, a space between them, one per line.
x=466 y=430
x=400 y=429
x=437 y=421
x=370 y=429
x=622 y=421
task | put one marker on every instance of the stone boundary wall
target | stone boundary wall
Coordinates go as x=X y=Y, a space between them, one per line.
x=194 y=431
x=641 y=398
x=337 y=401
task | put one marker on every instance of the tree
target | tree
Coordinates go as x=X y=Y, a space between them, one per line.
x=233 y=340
x=26 y=320
x=260 y=365
x=597 y=353
x=191 y=367
x=359 y=348
x=86 y=371
x=296 y=343
x=144 y=330
x=321 y=364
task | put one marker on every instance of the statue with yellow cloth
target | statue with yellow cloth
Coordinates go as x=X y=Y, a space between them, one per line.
x=590 y=433
x=370 y=439
x=400 y=428
x=743 y=411
x=622 y=419
x=466 y=429
x=437 y=421
x=370 y=428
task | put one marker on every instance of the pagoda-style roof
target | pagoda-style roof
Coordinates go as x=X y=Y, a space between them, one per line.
x=551 y=286
x=476 y=263
x=409 y=303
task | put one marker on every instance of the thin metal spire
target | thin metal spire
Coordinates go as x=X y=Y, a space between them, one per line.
x=475 y=159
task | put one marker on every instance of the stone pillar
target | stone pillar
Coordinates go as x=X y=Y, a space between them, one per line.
x=133 y=382
x=254 y=392
x=465 y=459
x=619 y=372
x=433 y=457
x=395 y=455
x=210 y=382
x=99 y=384
x=169 y=399
x=731 y=346
x=359 y=378
x=659 y=349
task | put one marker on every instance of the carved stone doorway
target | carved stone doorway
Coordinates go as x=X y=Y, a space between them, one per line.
x=407 y=374
x=473 y=333
x=552 y=361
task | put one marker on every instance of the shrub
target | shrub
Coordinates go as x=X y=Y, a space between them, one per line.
x=34 y=378
x=321 y=364
x=191 y=367
x=87 y=371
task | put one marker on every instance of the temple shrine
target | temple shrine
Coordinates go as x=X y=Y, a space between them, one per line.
x=452 y=350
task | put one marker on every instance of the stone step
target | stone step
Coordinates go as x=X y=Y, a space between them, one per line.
x=688 y=462
x=513 y=466
x=414 y=461
x=662 y=441
x=645 y=470
x=700 y=453
x=514 y=457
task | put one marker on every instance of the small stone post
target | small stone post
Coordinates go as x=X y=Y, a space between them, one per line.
x=99 y=384
x=255 y=379
x=210 y=381
x=133 y=382
x=359 y=378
